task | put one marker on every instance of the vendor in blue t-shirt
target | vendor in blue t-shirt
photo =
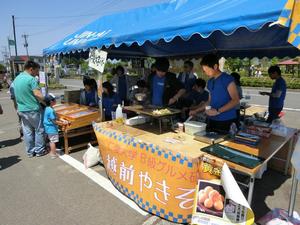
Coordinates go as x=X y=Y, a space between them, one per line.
x=110 y=100
x=89 y=95
x=223 y=97
x=165 y=88
x=277 y=95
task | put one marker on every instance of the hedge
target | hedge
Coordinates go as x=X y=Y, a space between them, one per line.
x=292 y=83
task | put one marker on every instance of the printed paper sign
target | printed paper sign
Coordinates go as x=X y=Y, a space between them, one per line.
x=220 y=201
x=42 y=77
x=97 y=59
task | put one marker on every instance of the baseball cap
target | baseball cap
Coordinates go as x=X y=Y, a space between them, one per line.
x=49 y=98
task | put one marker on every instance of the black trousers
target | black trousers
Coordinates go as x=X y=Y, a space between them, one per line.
x=221 y=127
x=273 y=114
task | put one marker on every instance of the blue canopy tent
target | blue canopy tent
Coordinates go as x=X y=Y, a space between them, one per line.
x=238 y=28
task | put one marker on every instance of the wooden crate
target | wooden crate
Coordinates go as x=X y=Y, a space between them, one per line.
x=72 y=96
x=77 y=115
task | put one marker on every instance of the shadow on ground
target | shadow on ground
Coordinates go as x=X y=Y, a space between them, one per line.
x=263 y=188
x=9 y=161
x=11 y=142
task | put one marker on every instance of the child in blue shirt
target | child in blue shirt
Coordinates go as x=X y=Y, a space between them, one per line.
x=50 y=124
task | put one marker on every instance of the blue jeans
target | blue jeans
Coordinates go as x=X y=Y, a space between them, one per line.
x=33 y=130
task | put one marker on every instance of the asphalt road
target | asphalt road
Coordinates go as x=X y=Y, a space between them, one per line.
x=35 y=191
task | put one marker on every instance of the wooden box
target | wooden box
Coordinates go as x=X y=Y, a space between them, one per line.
x=72 y=96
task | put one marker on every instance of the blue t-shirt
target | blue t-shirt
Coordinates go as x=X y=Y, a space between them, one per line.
x=122 y=88
x=90 y=98
x=49 y=116
x=278 y=85
x=219 y=96
x=158 y=90
x=110 y=103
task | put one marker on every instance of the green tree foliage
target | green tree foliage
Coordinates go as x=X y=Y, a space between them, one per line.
x=274 y=61
x=2 y=68
x=233 y=64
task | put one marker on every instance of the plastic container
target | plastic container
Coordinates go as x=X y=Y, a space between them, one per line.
x=192 y=127
x=119 y=112
x=136 y=120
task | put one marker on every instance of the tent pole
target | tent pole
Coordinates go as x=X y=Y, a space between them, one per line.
x=293 y=194
x=100 y=81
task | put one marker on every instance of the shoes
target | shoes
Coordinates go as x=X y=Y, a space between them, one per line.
x=41 y=154
x=30 y=155
x=53 y=156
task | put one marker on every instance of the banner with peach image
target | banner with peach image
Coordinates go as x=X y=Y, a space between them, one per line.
x=220 y=201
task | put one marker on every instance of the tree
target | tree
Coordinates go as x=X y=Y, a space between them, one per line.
x=234 y=64
x=274 y=61
x=2 y=68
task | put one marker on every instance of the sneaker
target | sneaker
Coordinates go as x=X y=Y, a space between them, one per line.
x=30 y=155
x=41 y=154
x=53 y=156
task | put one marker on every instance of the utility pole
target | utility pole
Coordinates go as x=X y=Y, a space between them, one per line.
x=9 y=47
x=25 y=36
x=14 y=29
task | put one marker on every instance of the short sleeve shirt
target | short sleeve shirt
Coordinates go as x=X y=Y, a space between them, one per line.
x=90 y=98
x=49 y=117
x=24 y=84
x=109 y=103
x=279 y=85
x=158 y=90
x=219 y=96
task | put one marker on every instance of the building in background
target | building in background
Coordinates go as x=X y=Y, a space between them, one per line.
x=17 y=62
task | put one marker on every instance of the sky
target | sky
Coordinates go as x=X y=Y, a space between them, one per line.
x=47 y=22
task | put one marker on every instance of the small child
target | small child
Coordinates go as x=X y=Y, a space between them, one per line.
x=50 y=124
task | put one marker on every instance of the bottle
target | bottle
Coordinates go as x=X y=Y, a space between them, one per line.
x=119 y=112
x=233 y=130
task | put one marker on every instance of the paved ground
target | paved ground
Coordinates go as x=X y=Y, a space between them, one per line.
x=44 y=191
x=50 y=192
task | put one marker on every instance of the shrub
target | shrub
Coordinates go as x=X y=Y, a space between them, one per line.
x=292 y=83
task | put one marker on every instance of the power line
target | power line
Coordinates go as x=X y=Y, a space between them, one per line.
x=58 y=27
x=57 y=17
x=25 y=36
x=104 y=5
x=32 y=25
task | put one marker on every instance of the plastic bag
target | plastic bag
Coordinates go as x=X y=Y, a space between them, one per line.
x=91 y=157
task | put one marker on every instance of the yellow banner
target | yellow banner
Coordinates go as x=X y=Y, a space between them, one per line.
x=290 y=17
x=158 y=180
